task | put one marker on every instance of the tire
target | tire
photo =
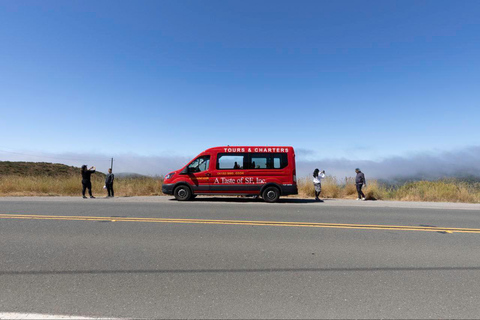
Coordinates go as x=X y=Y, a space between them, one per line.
x=271 y=194
x=182 y=193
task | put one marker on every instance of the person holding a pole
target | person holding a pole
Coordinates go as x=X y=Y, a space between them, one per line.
x=109 y=182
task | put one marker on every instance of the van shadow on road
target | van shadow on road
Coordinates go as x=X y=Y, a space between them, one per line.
x=250 y=200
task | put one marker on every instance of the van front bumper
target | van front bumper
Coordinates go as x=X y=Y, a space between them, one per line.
x=167 y=188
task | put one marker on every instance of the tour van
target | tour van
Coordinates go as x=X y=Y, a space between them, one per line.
x=268 y=172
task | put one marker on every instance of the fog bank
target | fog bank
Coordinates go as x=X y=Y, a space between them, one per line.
x=459 y=163
x=429 y=165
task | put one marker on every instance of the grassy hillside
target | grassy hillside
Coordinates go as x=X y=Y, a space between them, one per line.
x=53 y=179
x=39 y=169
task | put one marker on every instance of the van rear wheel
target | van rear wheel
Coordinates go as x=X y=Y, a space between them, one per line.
x=182 y=193
x=271 y=194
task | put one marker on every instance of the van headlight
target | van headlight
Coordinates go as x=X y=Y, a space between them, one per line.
x=168 y=176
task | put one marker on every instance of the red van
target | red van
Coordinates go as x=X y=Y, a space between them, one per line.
x=265 y=171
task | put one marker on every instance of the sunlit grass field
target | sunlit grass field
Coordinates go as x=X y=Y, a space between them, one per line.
x=11 y=185
x=436 y=191
x=439 y=191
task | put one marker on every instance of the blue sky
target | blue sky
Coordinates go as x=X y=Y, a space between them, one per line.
x=361 y=80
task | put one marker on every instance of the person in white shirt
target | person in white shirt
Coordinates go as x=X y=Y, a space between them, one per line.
x=317 y=183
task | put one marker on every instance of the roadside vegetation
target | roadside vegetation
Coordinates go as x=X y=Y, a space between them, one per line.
x=446 y=190
x=11 y=185
x=47 y=179
x=54 y=179
x=438 y=191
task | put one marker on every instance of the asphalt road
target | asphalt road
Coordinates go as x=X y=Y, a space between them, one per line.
x=211 y=258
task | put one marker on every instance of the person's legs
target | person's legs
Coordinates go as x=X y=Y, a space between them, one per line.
x=84 y=187
x=359 y=191
x=110 y=189
x=89 y=186
x=318 y=197
x=318 y=190
x=361 y=195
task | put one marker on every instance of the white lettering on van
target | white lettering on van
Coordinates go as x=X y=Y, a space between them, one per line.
x=236 y=150
x=256 y=149
x=228 y=181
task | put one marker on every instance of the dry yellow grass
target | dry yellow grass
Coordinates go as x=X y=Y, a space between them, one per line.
x=72 y=186
x=438 y=191
x=330 y=188
x=450 y=191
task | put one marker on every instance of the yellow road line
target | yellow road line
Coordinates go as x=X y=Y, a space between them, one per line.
x=242 y=222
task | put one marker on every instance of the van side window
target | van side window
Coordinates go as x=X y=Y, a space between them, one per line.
x=268 y=161
x=230 y=161
x=259 y=161
x=200 y=164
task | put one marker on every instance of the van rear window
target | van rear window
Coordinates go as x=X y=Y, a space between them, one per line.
x=268 y=161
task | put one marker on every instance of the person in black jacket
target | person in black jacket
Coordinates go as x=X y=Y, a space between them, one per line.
x=360 y=182
x=86 y=182
x=109 y=182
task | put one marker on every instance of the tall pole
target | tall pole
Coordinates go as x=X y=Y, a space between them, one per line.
x=111 y=164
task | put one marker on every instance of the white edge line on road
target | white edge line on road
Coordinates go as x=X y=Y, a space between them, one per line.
x=15 y=316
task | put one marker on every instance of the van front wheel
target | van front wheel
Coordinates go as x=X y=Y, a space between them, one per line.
x=182 y=193
x=271 y=194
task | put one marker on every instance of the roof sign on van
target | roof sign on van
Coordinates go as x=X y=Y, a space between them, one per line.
x=256 y=149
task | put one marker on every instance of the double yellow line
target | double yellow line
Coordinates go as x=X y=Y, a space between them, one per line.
x=241 y=222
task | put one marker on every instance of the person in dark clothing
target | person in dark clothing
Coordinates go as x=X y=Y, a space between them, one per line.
x=360 y=182
x=86 y=182
x=109 y=182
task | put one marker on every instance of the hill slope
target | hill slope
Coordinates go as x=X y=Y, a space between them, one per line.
x=38 y=169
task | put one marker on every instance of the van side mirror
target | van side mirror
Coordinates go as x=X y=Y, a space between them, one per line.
x=185 y=171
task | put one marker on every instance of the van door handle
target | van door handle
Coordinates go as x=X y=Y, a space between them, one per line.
x=208 y=174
